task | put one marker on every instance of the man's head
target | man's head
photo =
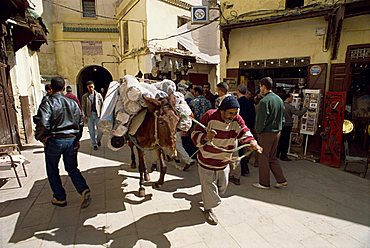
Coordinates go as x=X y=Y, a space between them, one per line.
x=229 y=109
x=48 y=89
x=206 y=88
x=57 y=84
x=222 y=88
x=242 y=90
x=90 y=86
x=198 y=90
x=288 y=98
x=265 y=85
x=68 y=89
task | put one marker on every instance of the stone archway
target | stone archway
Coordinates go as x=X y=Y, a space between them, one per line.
x=99 y=75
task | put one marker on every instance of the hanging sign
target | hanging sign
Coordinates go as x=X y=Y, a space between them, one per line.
x=199 y=14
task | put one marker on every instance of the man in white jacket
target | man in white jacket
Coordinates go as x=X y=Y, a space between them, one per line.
x=92 y=103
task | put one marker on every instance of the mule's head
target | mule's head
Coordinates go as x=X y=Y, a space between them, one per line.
x=166 y=123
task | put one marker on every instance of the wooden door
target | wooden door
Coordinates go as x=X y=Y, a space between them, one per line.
x=338 y=77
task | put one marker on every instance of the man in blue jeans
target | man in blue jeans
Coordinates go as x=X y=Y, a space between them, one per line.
x=59 y=127
x=92 y=103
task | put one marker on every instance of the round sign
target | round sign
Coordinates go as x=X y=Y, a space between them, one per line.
x=200 y=14
x=315 y=70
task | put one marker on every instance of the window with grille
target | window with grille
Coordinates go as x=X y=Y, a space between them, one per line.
x=291 y=4
x=181 y=20
x=88 y=8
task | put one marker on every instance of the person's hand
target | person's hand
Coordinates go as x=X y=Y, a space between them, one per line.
x=255 y=146
x=85 y=119
x=77 y=145
x=210 y=134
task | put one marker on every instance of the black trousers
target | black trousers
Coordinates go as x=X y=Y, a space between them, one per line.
x=283 y=146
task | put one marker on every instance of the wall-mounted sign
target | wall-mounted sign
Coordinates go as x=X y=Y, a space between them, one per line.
x=199 y=14
x=315 y=70
x=92 y=47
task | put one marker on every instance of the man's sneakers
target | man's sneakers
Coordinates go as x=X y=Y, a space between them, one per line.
x=95 y=148
x=259 y=186
x=85 y=202
x=277 y=185
x=281 y=185
x=210 y=216
x=99 y=143
x=58 y=203
x=86 y=198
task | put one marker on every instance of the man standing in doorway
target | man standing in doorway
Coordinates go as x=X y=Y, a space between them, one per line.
x=92 y=103
x=269 y=122
x=59 y=127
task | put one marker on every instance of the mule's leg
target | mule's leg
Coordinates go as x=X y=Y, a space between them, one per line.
x=133 y=159
x=141 y=172
x=163 y=168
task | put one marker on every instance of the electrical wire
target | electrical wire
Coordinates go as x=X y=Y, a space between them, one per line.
x=188 y=31
x=138 y=21
x=79 y=11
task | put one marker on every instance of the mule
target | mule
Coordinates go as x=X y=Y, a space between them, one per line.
x=157 y=132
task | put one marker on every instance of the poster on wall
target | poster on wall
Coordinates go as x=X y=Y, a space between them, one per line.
x=231 y=82
x=310 y=118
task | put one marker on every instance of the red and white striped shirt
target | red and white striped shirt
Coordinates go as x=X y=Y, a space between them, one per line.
x=210 y=157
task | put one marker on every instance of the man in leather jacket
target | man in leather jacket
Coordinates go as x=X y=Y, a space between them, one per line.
x=59 y=127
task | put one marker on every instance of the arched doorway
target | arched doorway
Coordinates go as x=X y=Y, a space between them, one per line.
x=99 y=75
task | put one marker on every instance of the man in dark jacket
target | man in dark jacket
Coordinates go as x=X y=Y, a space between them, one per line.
x=59 y=127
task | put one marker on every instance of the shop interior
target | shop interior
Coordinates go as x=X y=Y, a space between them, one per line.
x=286 y=80
x=358 y=109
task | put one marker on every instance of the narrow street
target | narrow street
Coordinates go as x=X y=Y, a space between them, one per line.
x=322 y=207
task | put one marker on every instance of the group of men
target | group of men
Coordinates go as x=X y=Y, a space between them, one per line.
x=227 y=120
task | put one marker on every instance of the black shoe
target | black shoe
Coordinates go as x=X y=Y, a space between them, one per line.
x=285 y=159
x=245 y=173
x=99 y=143
x=234 y=180
x=95 y=148
x=210 y=217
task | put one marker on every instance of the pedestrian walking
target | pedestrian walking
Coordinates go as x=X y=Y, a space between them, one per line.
x=92 y=103
x=248 y=113
x=269 y=122
x=208 y=94
x=70 y=95
x=59 y=127
x=223 y=127
x=200 y=104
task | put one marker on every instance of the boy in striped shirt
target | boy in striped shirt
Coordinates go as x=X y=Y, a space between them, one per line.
x=224 y=126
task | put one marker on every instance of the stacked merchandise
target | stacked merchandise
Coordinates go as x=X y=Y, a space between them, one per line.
x=125 y=100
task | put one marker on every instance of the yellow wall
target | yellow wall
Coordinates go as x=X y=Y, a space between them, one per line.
x=292 y=39
x=63 y=56
x=159 y=20
x=282 y=40
x=355 y=30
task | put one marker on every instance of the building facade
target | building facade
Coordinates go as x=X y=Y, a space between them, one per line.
x=148 y=43
x=82 y=44
x=22 y=34
x=302 y=44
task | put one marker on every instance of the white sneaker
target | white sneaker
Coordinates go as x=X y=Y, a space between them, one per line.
x=259 y=186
